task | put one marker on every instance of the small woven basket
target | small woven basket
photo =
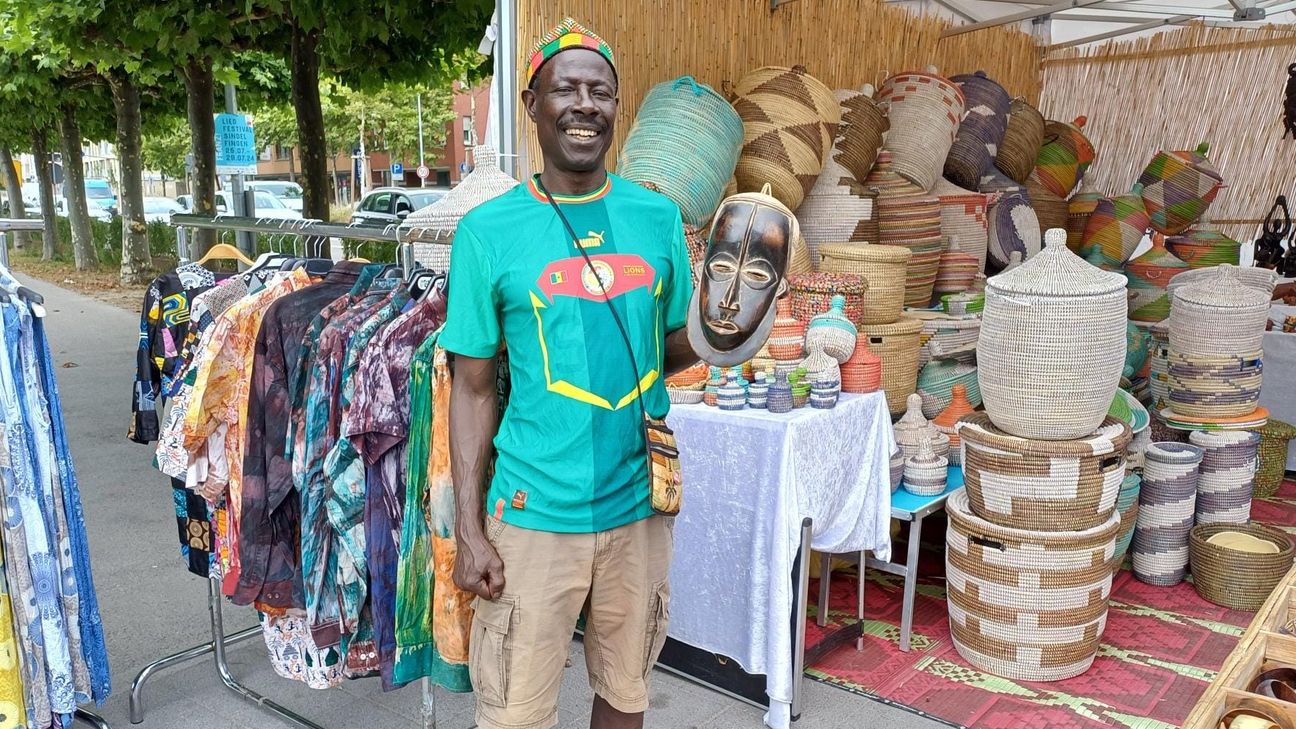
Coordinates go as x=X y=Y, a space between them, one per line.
x=883 y=267
x=1233 y=578
x=925 y=473
x=1274 y=439
x=897 y=344
x=1040 y=485
x=1226 y=475
x=924 y=111
x=812 y=294
x=1167 y=504
x=897 y=470
x=1025 y=605
x=1022 y=141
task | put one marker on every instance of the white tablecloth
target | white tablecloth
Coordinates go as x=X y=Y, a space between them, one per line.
x=750 y=477
x=1278 y=388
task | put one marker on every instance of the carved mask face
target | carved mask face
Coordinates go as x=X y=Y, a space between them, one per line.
x=742 y=274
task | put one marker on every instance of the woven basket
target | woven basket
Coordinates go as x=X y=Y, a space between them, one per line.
x=1024 y=605
x=948 y=337
x=981 y=131
x=925 y=472
x=1052 y=345
x=1219 y=316
x=831 y=332
x=924 y=111
x=1226 y=475
x=863 y=124
x=812 y=293
x=1013 y=228
x=1051 y=210
x=1178 y=187
x=429 y=228
x=887 y=182
x=1213 y=387
x=1261 y=279
x=964 y=303
x=1043 y=485
x=1148 y=277
x=787 y=338
x=914 y=222
x=1079 y=208
x=1167 y=504
x=1064 y=156
x=862 y=372
x=936 y=382
x=789 y=122
x=1233 y=578
x=1203 y=247
x=1022 y=140
x=685 y=140
x=1115 y=228
x=884 y=269
x=1274 y=439
x=897 y=470
x=679 y=396
x=1159 y=365
x=964 y=219
x=897 y=345
x=957 y=270
x=946 y=421
x=1127 y=506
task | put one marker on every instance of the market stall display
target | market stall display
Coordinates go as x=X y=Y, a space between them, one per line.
x=685 y=141
x=1226 y=476
x=1167 y=505
x=1023 y=137
x=981 y=131
x=924 y=110
x=1052 y=345
x=1178 y=187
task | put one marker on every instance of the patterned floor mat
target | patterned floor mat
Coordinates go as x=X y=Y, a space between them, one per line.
x=1162 y=647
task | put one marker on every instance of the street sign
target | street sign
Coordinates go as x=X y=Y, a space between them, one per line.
x=236 y=152
x=397 y=169
x=423 y=172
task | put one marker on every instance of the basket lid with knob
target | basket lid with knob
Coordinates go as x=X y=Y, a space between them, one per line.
x=1222 y=290
x=1056 y=271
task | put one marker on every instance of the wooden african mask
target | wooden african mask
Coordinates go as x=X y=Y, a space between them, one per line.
x=743 y=272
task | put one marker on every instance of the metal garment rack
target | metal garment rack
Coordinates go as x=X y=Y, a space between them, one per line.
x=315 y=233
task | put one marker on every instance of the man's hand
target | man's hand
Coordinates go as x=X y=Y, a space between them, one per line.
x=478 y=568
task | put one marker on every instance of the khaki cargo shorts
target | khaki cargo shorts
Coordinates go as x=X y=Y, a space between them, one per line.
x=520 y=643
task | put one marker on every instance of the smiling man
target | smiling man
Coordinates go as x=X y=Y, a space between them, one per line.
x=565 y=527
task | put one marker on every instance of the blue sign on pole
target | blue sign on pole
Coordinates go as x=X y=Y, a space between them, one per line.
x=398 y=169
x=236 y=152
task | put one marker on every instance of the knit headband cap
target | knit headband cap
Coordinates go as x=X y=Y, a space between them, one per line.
x=568 y=34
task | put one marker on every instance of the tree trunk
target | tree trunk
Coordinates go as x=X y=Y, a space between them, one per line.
x=44 y=178
x=136 y=262
x=310 y=122
x=83 y=250
x=201 y=87
x=338 y=195
x=13 y=186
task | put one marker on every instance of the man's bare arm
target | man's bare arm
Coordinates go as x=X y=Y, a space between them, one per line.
x=474 y=419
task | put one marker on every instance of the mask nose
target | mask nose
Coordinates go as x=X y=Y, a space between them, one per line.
x=729 y=301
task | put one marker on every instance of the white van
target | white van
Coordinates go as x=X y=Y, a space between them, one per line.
x=289 y=193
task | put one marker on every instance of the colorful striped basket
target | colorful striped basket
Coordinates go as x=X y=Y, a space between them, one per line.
x=924 y=110
x=1014 y=228
x=963 y=218
x=1026 y=605
x=1178 y=187
x=1167 y=504
x=981 y=131
x=1217 y=387
x=1202 y=247
x=787 y=338
x=914 y=222
x=1149 y=276
x=957 y=270
x=1022 y=141
x=685 y=141
x=1064 y=157
x=1115 y=228
x=790 y=120
x=812 y=294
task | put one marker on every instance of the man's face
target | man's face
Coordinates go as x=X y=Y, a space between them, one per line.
x=573 y=104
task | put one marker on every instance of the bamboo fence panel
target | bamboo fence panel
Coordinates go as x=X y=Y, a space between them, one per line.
x=844 y=43
x=1174 y=90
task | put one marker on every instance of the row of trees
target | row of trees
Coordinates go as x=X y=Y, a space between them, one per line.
x=75 y=69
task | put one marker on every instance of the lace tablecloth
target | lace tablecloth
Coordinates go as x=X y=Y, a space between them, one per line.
x=750 y=477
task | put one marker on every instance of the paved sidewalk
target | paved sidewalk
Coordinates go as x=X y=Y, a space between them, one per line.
x=152 y=607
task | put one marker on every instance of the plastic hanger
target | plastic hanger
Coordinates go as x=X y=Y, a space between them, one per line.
x=224 y=252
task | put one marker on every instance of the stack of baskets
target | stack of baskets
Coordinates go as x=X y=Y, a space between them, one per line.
x=914 y=222
x=685 y=142
x=1214 y=364
x=789 y=120
x=924 y=111
x=964 y=219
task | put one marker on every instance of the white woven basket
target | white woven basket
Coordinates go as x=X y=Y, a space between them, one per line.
x=1218 y=315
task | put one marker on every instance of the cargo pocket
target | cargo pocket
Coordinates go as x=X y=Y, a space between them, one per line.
x=658 y=624
x=490 y=649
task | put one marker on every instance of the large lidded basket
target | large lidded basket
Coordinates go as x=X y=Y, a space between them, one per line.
x=884 y=268
x=790 y=120
x=1025 y=605
x=1045 y=486
x=1021 y=142
x=924 y=110
x=1203 y=247
x=982 y=129
x=1178 y=187
x=1064 y=157
x=431 y=228
x=1052 y=345
x=1220 y=316
x=685 y=141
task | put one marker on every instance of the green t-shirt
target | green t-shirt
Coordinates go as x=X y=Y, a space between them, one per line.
x=570 y=446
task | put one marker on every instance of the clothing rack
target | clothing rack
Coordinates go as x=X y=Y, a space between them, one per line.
x=312 y=232
x=8 y=225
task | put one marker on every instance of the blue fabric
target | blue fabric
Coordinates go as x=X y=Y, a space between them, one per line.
x=904 y=501
x=93 y=647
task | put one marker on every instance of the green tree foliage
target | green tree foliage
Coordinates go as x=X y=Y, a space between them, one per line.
x=166 y=143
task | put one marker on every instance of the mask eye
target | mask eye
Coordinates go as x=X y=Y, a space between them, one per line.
x=757 y=278
x=722 y=269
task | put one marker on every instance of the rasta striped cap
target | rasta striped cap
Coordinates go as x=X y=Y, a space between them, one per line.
x=567 y=34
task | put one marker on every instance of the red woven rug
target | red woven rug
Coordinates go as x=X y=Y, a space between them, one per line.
x=1161 y=649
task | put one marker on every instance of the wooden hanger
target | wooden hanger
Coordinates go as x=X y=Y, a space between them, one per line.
x=225 y=251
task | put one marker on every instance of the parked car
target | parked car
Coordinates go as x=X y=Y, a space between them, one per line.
x=289 y=193
x=267 y=205
x=95 y=210
x=389 y=205
x=99 y=192
x=159 y=209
